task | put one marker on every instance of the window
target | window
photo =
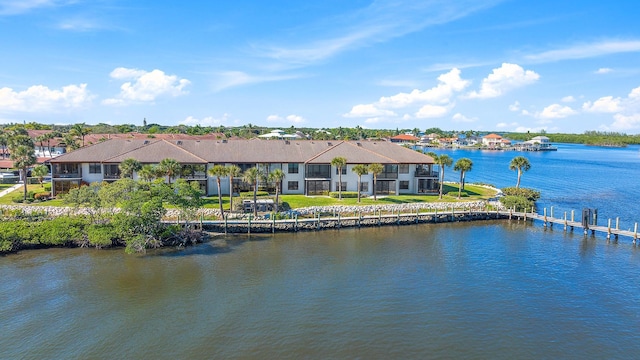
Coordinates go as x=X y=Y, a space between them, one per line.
x=364 y=186
x=344 y=170
x=344 y=186
x=318 y=187
x=403 y=168
x=319 y=171
x=293 y=169
x=386 y=187
x=95 y=168
x=389 y=172
x=292 y=185
x=404 y=185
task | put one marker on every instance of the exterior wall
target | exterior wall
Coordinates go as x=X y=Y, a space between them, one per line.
x=90 y=178
x=299 y=177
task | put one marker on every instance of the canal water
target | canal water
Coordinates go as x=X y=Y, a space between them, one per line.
x=494 y=289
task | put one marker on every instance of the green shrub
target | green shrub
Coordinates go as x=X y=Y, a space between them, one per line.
x=18 y=199
x=100 y=235
x=46 y=186
x=249 y=194
x=345 y=194
x=530 y=194
x=520 y=203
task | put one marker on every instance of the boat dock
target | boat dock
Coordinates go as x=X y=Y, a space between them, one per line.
x=337 y=221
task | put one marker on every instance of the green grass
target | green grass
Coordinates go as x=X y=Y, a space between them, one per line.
x=298 y=201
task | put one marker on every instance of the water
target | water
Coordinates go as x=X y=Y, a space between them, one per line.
x=494 y=289
x=572 y=178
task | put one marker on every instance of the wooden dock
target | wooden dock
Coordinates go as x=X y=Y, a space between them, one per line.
x=334 y=221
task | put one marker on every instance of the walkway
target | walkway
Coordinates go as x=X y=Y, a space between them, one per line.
x=6 y=191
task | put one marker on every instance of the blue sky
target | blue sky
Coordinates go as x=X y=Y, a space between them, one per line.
x=561 y=66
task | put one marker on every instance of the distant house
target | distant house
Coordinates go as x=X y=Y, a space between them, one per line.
x=306 y=164
x=492 y=140
x=404 y=139
x=538 y=143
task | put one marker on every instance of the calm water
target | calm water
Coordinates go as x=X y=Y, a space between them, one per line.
x=497 y=290
x=572 y=178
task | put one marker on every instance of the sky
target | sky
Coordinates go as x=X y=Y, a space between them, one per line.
x=486 y=65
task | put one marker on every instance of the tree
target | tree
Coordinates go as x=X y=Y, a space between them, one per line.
x=375 y=169
x=233 y=171
x=463 y=165
x=219 y=171
x=170 y=168
x=521 y=164
x=80 y=130
x=443 y=161
x=251 y=176
x=339 y=162
x=40 y=172
x=128 y=167
x=4 y=141
x=360 y=169
x=147 y=172
x=276 y=176
x=23 y=156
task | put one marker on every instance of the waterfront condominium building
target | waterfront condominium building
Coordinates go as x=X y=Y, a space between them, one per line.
x=305 y=163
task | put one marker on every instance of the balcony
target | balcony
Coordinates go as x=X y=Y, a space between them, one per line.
x=67 y=176
x=425 y=173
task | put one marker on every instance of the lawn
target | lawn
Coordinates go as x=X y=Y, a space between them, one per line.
x=6 y=200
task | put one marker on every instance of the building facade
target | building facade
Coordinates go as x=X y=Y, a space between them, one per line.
x=305 y=163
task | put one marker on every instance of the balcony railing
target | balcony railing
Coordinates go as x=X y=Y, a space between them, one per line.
x=425 y=173
x=67 y=176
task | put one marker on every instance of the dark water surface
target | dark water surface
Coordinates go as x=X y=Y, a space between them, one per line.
x=468 y=290
x=485 y=290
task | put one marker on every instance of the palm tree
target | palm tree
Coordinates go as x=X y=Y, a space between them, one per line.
x=23 y=156
x=233 y=171
x=443 y=161
x=360 y=169
x=219 y=171
x=339 y=162
x=4 y=141
x=463 y=165
x=80 y=130
x=375 y=169
x=276 y=176
x=251 y=176
x=169 y=168
x=40 y=172
x=521 y=164
x=128 y=167
x=147 y=172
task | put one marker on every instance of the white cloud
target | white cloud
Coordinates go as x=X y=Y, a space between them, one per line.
x=626 y=122
x=583 y=51
x=373 y=120
x=39 y=98
x=504 y=125
x=503 y=79
x=461 y=118
x=448 y=84
x=296 y=119
x=568 y=99
x=556 y=111
x=145 y=86
x=603 y=71
x=207 y=121
x=515 y=106
x=434 y=101
x=635 y=93
x=368 y=110
x=14 y=7
x=432 y=111
x=607 y=104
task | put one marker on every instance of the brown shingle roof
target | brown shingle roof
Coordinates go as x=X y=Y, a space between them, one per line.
x=245 y=151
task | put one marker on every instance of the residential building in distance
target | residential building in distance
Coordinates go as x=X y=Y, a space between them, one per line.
x=306 y=164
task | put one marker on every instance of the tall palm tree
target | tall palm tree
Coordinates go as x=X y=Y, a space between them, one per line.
x=339 y=162
x=375 y=169
x=360 y=169
x=251 y=176
x=233 y=171
x=147 y=172
x=80 y=130
x=169 y=168
x=276 y=176
x=463 y=165
x=219 y=171
x=521 y=164
x=443 y=161
x=23 y=156
x=128 y=167
x=40 y=172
